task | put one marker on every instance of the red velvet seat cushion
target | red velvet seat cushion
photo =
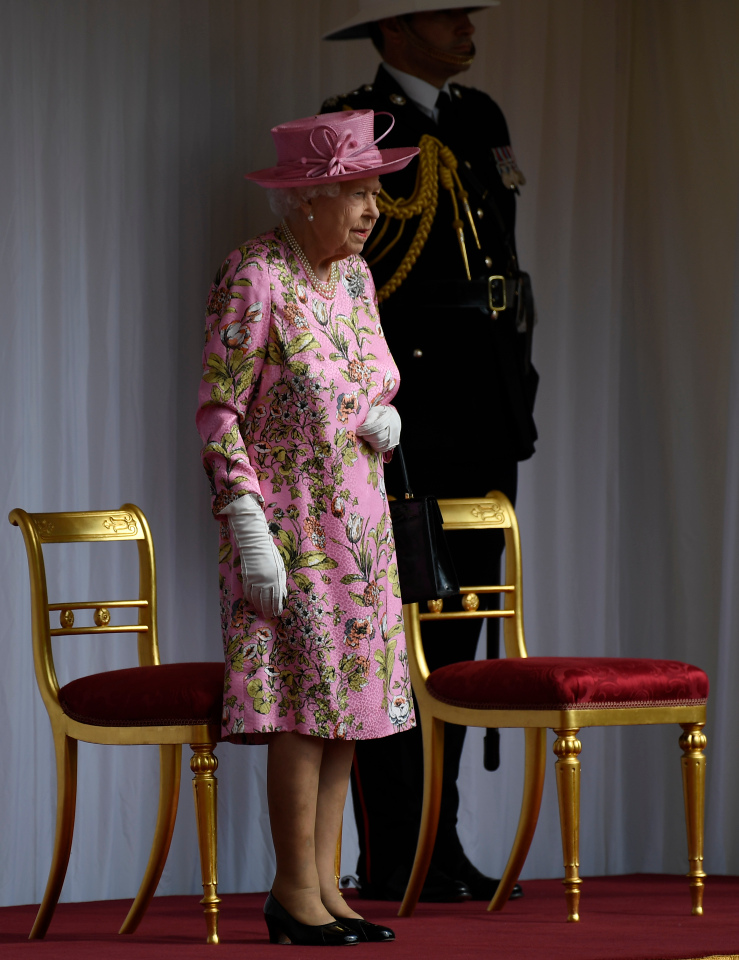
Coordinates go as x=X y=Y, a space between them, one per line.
x=171 y=694
x=556 y=683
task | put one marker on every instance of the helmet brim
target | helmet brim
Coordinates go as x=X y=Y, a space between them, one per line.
x=358 y=27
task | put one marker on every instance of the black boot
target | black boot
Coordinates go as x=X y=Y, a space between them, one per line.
x=438 y=888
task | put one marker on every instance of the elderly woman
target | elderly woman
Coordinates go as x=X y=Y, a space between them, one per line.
x=296 y=423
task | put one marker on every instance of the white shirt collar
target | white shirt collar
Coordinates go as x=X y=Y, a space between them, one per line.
x=423 y=94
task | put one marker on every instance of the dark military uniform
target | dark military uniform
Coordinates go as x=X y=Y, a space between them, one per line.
x=465 y=401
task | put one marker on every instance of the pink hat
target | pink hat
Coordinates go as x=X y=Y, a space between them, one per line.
x=329 y=148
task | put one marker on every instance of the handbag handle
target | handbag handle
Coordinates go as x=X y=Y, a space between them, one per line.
x=404 y=470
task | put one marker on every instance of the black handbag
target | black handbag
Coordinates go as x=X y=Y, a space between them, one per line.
x=425 y=568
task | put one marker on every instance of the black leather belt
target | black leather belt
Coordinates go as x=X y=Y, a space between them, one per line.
x=493 y=293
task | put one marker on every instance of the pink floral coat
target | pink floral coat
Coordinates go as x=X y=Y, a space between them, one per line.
x=287 y=376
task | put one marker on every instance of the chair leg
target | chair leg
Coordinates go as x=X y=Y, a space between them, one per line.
x=567 y=768
x=66 y=797
x=170 y=763
x=433 y=764
x=533 y=787
x=693 y=761
x=205 y=787
x=337 y=860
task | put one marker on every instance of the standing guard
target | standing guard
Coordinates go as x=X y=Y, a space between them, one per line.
x=458 y=315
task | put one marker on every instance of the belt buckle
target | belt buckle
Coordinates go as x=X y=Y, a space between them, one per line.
x=497 y=293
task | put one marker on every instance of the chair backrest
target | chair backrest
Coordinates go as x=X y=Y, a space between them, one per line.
x=126 y=523
x=492 y=512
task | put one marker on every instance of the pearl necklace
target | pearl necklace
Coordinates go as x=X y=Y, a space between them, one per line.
x=326 y=288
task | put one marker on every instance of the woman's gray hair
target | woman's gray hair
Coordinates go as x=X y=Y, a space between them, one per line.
x=283 y=200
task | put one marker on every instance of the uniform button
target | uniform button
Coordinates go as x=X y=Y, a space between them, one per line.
x=468 y=164
x=480 y=213
x=367 y=88
x=488 y=262
x=417 y=353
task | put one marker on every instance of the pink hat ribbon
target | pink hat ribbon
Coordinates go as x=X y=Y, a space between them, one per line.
x=340 y=153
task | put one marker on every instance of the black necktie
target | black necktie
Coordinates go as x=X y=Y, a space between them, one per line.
x=444 y=107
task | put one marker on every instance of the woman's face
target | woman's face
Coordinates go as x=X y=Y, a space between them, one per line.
x=342 y=224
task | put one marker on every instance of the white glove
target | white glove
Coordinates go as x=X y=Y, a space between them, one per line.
x=381 y=428
x=265 y=580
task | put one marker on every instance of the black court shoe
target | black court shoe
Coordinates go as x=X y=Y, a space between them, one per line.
x=370 y=932
x=286 y=929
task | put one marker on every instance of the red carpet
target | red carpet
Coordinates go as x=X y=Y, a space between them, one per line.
x=623 y=918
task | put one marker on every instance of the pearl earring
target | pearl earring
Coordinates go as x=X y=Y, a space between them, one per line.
x=311 y=217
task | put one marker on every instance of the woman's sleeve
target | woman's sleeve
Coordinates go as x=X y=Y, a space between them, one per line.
x=236 y=332
x=371 y=292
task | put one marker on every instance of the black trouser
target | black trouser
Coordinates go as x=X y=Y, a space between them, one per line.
x=387 y=775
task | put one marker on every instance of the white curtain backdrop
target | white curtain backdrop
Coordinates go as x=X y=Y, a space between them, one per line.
x=126 y=128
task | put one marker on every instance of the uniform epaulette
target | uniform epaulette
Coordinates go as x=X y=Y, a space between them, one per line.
x=477 y=102
x=460 y=91
x=354 y=100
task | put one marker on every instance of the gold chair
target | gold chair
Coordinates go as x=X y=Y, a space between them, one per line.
x=536 y=693
x=153 y=703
